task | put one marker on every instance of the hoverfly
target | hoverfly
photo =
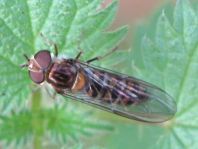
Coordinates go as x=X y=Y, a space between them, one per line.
x=114 y=92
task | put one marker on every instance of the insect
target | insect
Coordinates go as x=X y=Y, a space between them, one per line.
x=115 y=92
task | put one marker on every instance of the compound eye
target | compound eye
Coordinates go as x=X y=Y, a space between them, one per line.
x=43 y=58
x=37 y=77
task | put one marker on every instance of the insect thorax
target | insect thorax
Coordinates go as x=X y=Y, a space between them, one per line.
x=62 y=74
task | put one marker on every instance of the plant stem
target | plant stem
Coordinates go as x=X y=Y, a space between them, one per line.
x=37 y=142
x=37 y=122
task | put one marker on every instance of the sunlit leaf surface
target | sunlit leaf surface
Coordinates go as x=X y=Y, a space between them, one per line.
x=74 y=25
x=170 y=60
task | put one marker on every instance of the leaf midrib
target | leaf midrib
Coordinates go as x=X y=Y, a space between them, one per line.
x=30 y=23
x=184 y=79
x=66 y=32
x=17 y=37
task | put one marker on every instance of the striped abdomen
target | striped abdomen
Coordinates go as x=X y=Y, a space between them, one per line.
x=114 y=89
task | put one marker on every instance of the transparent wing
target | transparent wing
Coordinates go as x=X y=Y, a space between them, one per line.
x=125 y=96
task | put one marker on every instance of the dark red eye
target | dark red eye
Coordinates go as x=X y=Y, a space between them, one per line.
x=37 y=77
x=43 y=58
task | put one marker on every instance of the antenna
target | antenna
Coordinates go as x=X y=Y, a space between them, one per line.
x=25 y=65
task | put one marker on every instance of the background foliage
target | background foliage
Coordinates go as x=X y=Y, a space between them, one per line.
x=29 y=117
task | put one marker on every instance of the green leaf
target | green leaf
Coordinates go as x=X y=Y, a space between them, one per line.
x=14 y=85
x=68 y=23
x=71 y=24
x=11 y=126
x=169 y=60
x=62 y=123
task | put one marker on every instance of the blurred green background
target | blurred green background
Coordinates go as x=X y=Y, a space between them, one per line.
x=159 y=45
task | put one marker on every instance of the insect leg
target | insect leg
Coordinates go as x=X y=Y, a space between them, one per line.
x=50 y=43
x=25 y=65
x=78 y=55
x=55 y=50
x=51 y=95
x=101 y=57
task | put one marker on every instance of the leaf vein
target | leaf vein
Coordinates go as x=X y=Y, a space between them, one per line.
x=30 y=21
x=45 y=19
x=186 y=73
x=70 y=25
x=178 y=139
x=17 y=37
